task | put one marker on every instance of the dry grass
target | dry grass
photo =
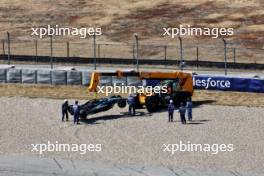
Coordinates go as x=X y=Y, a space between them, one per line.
x=81 y=93
x=44 y=91
x=230 y=98
x=120 y=19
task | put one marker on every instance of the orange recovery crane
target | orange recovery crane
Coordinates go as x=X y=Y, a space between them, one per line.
x=179 y=87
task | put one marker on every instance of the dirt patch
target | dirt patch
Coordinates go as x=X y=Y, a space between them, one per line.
x=81 y=93
x=119 y=20
x=139 y=139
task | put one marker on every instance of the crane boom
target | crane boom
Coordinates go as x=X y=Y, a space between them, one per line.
x=185 y=78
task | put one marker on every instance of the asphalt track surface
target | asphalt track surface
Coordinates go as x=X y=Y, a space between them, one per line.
x=34 y=166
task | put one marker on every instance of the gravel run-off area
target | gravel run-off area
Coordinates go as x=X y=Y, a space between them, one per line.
x=140 y=139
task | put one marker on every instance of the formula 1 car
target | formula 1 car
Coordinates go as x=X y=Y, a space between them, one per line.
x=99 y=105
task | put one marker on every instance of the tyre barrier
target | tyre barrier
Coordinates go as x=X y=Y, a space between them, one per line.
x=85 y=80
x=3 y=75
x=14 y=76
x=60 y=77
x=74 y=78
x=44 y=77
x=29 y=76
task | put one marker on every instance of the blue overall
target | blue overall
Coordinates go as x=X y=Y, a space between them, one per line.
x=131 y=105
x=189 y=110
x=76 y=113
x=171 y=111
x=182 y=111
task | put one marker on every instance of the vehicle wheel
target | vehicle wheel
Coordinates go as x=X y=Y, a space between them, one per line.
x=115 y=96
x=83 y=115
x=70 y=110
x=152 y=104
x=121 y=103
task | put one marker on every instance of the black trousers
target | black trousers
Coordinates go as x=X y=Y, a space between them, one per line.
x=133 y=109
x=170 y=117
x=65 y=113
x=76 y=118
x=183 y=120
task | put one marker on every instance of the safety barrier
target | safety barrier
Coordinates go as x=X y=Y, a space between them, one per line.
x=29 y=76
x=59 y=77
x=43 y=77
x=74 y=78
x=3 y=75
x=63 y=77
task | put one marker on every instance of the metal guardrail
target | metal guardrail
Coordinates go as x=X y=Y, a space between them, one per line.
x=127 y=61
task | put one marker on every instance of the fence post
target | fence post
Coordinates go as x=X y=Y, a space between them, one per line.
x=133 y=50
x=51 y=76
x=20 y=72
x=225 y=57
x=94 y=43
x=181 y=54
x=234 y=54
x=36 y=49
x=99 y=50
x=36 y=76
x=68 y=49
x=51 y=52
x=136 y=37
x=81 y=78
x=165 y=55
x=66 y=77
x=4 y=47
x=8 y=44
x=5 y=75
x=197 y=57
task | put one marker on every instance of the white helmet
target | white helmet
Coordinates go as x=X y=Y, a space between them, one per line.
x=171 y=101
x=65 y=100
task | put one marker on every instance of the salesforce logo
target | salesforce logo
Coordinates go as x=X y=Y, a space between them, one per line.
x=209 y=82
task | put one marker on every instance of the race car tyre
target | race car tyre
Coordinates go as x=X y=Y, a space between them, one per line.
x=121 y=103
x=83 y=115
x=70 y=110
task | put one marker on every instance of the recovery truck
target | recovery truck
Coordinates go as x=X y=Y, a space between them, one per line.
x=179 y=87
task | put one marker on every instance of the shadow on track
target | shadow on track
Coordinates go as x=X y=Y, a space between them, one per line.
x=95 y=120
x=196 y=104
x=193 y=122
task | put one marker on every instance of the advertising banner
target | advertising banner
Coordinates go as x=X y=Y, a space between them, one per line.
x=228 y=83
x=223 y=83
